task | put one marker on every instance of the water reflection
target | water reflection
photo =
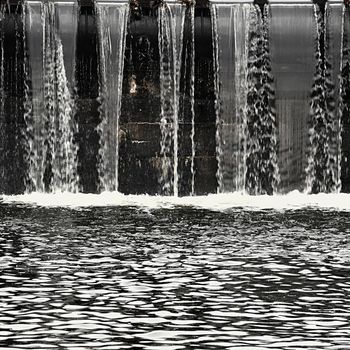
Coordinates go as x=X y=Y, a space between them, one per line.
x=122 y=278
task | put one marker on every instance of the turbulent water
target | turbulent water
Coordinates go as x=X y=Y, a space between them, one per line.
x=52 y=153
x=247 y=140
x=181 y=278
x=323 y=173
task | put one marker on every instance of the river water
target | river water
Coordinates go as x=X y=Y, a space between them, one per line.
x=179 y=277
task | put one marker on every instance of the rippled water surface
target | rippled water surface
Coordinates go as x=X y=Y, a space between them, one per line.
x=181 y=278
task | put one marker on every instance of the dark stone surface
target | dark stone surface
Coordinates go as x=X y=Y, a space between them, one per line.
x=205 y=119
x=12 y=125
x=139 y=162
x=87 y=90
x=185 y=109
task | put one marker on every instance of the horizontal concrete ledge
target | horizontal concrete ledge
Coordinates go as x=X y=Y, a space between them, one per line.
x=72 y=2
x=55 y=2
x=272 y=2
x=109 y=2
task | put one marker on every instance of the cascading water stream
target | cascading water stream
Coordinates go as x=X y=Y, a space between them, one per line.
x=218 y=134
x=112 y=24
x=170 y=26
x=262 y=172
x=192 y=77
x=49 y=112
x=344 y=99
x=323 y=169
x=230 y=43
x=249 y=127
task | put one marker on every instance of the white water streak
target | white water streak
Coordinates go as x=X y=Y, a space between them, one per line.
x=112 y=25
x=230 y=43
x=215 y=38
x=192 y=92
x=49 y=110
x=171 y=19
x=242 y=15
x=340 y=125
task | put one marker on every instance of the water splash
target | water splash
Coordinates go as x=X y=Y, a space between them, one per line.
x=112 y=25
x=50 y=114
x=171 y=20
x=262 y=174
x=322 y=172
x=216 y=202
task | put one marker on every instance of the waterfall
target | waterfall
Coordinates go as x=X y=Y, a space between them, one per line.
x=170 y=26
x=344 y=100
x=50 y=119
x=112 y=22
x=216 y=65
x=269 y=113
x=192 y=76
x=262 y=173
x=230 y=42
x=2 y=75
x=322 y=170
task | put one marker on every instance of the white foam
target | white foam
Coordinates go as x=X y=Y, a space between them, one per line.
x=217 y=202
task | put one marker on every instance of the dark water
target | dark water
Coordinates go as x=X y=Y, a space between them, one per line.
x=126 y=278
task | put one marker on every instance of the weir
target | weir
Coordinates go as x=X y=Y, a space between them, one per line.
x=174 y=98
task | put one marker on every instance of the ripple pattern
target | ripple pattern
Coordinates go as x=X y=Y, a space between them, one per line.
x=126 y=278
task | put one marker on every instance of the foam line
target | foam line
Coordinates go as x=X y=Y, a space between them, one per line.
x=215 y=202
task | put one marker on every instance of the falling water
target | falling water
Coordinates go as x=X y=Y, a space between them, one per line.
x=192 y=77
x=170 y=25
x=50 y=121
x=215 y=38
x=230 y=42
x=262 y=173
x=322 y=170
x=344 y=103
x=112 y=24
